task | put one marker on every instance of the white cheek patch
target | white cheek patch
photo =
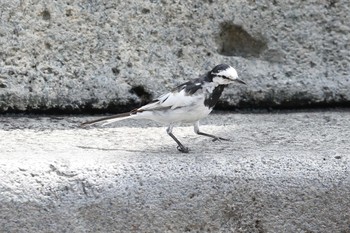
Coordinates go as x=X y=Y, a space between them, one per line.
x=221 y=81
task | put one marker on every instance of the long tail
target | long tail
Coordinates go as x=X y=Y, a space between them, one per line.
x=109 y=119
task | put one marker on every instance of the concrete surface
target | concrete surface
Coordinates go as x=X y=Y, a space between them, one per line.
x=281 y=172
x=95 y=55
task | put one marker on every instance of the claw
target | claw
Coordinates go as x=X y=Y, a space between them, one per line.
x=219 y=139
x=183 y=149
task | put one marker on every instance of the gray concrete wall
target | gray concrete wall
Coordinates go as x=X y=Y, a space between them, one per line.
x=287 y=172
x=108 y=54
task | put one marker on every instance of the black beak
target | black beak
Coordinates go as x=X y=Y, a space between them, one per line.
x=240 y=81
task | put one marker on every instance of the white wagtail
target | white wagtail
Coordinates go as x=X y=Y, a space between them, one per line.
x=186 y=103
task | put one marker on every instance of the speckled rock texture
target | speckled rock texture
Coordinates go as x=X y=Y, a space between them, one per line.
x=282 y=172
x=111 y=55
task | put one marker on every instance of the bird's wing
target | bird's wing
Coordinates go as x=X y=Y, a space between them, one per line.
x=183 y=95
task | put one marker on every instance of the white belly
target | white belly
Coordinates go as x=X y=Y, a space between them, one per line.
x=186 y=114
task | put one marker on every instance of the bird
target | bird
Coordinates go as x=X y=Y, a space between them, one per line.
x=186 y=103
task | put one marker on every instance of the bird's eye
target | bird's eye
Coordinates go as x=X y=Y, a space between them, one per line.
x=222 y=76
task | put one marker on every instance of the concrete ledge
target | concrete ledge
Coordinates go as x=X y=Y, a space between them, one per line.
x=286 y=172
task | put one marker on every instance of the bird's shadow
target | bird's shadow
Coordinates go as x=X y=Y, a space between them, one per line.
x=159 y=150
x=162 y=149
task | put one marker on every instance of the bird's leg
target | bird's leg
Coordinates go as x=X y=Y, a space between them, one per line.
x=180 y=147
x=215 y=138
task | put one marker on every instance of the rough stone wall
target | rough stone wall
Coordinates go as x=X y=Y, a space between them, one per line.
x=83 y=55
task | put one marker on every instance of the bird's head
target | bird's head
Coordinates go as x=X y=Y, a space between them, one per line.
x=224 y=74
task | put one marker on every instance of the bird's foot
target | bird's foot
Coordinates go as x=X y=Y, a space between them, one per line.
x=220 y=139
x=183 y=149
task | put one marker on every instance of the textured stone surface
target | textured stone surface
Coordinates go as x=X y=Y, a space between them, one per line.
x=105 y=54
x=282 y=172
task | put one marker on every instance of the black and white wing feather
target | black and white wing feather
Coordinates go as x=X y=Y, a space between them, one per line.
x=181 y=96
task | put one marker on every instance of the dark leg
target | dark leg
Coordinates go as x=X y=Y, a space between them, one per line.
x=215 y=138
x=180 y=147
